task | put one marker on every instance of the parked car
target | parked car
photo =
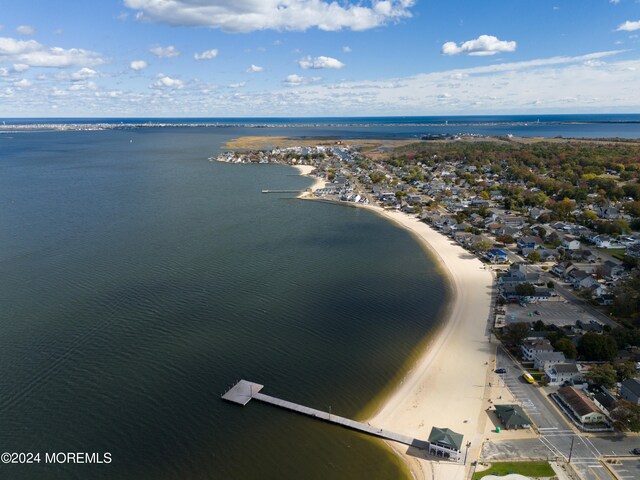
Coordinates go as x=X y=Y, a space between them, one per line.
x=501 y=370
x=636 y=451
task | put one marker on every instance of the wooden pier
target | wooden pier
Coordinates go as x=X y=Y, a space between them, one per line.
x=283 y=191
x=243 y=391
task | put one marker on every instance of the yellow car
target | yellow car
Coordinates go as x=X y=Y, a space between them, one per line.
x=527 y=377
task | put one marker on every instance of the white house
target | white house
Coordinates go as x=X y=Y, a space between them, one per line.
x=545 y=360
x=532 y=347
x=563 y=372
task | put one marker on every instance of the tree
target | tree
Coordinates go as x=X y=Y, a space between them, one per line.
x=625 y=370
x=604 y=375
x=525 y=289
x=567 y=347
x=482 y=245
x=516 y=332
x=597 y=347
x=534 y=256
x=626 y=415
x=506 y=239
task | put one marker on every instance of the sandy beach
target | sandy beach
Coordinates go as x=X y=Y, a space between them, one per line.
x=305 y=171
x=449 y=384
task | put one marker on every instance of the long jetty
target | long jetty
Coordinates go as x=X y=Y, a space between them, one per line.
x=244 y=391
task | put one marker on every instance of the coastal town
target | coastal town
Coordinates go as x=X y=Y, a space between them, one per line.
x=556 y=226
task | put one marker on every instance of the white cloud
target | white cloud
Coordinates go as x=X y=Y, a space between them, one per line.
x=346 y=49
x=237 y=85
x=25 y=30
x=629 y=26
x=320 y=62
x=83 y=74
x=22 y=83
x=207 y=54
x=20 y=67
x=483 y=45
x=252 y=15
x=84 y=85
x=4 y=72
x=615 y=2
x=254 y=69
x=165 y=81
x=297 y=80
x=165 y=52
x=138 y=65
x=34 y=54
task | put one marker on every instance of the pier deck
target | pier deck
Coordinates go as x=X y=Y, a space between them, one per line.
x=243 y=391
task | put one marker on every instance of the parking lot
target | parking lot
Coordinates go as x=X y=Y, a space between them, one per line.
x=552 y=312
x=626 y=469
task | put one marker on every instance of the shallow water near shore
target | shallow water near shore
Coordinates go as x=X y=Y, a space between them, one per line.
x=139 y=281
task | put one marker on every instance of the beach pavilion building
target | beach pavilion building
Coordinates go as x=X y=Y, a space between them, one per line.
x=512 y=417
x=445 y=443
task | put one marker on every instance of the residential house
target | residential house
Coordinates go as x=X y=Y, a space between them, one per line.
x=545 y=360
x=445 y=443
x=562 y=268
x=602 y=241
x=529 y=242
x=612 y=269
x=495 y=255
x=630 y=390
x=560 y=373
x=608 y=213
x=530 y=348
x=604 y=400
x=580 y=405
x=512 y=417
x=570 y=243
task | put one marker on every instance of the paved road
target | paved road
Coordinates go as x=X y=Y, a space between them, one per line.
x=627 y=469
x=557 y=439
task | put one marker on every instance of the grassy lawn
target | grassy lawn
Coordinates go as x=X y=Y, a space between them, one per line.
x=529 y=469
x=617 y=253
x=537 y=376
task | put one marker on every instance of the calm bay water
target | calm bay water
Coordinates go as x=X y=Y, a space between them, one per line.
x=138 y=281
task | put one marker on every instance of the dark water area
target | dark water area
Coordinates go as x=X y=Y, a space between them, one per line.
x=138 y=281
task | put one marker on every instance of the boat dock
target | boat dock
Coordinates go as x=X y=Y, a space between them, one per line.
x=244 y=391
x=282 y=191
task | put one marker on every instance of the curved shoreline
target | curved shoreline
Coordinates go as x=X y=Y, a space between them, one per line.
x=446 y=386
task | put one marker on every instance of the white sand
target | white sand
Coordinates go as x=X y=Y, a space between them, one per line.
x=305 y=171
x=448 y=386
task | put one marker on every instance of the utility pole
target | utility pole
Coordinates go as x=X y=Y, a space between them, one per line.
x=466 y=452
x=571 y=449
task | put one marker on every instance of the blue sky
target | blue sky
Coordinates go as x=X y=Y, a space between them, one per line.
x=317 y=57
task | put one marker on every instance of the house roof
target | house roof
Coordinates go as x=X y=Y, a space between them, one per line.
x=565 y=368
x=512 y=415
x=632 y=384
x=446 y=437
x=578 y=400
x=548 y=356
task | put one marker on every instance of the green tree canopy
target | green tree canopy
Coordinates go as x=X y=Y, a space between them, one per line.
x=567 y=347
x=597 y=347
x=604 y=375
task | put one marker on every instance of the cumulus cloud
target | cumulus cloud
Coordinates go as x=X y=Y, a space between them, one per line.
x=254 y=69
x=237 y=85
x=297 y=80
x=165 y=52
x=320 y=62
x=20 y=67
x=138 y=65
x=34 y=54
x=165 y=81
x=22 y=83
x=615 y=2
x=628 y=26
x=4 y=72
x=25 y=30
x=481 y=46
x=252 y=15
x=346 y=49
x=207 y=54
x=83 y=74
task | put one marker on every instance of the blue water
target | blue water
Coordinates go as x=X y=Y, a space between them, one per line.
x=568 y=126
x=138 y=280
